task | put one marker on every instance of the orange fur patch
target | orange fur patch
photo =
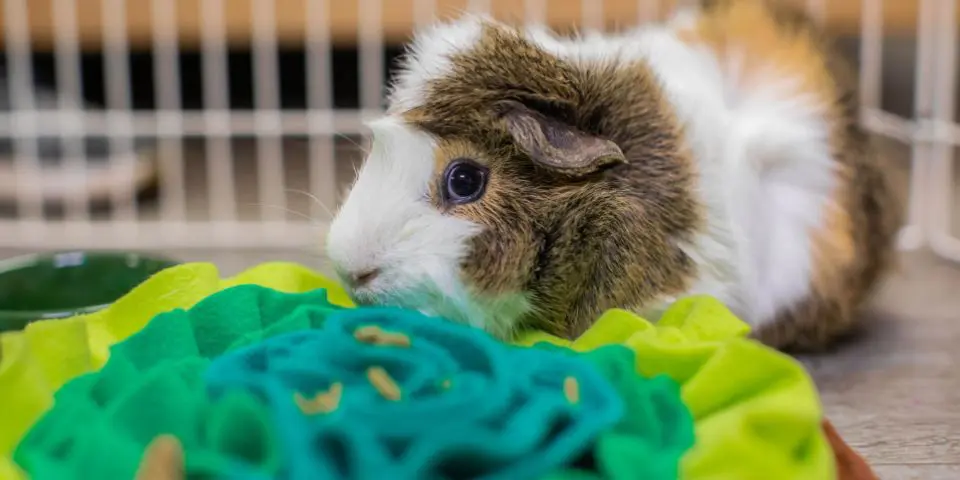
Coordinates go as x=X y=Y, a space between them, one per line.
x=748 y=36
x=833 y=250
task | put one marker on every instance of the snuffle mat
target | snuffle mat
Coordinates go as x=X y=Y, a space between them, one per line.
x=275 y=374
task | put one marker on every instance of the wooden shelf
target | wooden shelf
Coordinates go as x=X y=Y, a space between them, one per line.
x=843 y=17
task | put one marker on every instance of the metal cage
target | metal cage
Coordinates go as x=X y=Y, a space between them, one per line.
x=109 y=153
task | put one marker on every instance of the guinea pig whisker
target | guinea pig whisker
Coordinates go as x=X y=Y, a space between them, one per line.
x=315 y=199
x=288 y=210
x=353 y=142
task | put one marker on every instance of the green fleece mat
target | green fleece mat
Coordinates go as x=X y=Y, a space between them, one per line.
x=462 y=404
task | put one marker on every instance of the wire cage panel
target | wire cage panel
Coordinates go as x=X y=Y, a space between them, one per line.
x=125 y=125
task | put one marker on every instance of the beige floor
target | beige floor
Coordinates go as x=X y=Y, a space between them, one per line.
x=893 y=390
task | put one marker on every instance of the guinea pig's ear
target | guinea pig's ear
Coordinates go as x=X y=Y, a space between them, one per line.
x=555 y=145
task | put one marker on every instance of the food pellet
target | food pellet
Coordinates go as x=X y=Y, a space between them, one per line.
x=323 y=402
x=375 y=335
x=163 y=460
x=384 y=384
x=571 y=390
x=446 y=384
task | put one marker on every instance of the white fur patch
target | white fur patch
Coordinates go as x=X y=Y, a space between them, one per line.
x=428 y=57
x=766 y=173
x=388 y=223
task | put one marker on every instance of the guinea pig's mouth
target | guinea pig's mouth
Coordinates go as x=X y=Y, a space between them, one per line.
x=410 y=299
x=380 y=292
x=368 y=299
x=426 y=298
x=445 y=297
x=364 y=298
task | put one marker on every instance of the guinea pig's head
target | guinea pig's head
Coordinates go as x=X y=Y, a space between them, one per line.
x=481 y=178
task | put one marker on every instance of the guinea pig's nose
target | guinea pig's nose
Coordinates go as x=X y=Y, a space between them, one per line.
x=363 y=277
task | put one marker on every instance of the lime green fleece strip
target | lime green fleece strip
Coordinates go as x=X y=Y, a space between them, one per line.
x=224 y=378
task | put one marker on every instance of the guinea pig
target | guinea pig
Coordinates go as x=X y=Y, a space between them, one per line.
x=523 y=180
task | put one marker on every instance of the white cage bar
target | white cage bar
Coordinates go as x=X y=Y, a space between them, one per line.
x=940 y=170
x=221 y=223
x=26 y=165
x=70 y=111
x=216 y=98
x=166 y=71
x=322 y=153
x=117 y=76
x=272 y=196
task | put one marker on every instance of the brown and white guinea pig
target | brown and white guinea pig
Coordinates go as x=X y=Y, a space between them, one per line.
x=522 y=180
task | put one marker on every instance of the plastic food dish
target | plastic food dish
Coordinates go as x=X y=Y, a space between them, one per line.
x=63 y=284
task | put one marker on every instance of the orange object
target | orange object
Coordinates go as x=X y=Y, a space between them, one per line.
x=163 y=460
x=850 y=465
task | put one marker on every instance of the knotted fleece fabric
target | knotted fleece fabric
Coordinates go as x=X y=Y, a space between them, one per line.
x=256 y=383
x=756 y=413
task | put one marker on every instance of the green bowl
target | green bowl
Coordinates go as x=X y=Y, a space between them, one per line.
x=56 y=285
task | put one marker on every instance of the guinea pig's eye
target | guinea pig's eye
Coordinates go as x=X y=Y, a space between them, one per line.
x=464 y=181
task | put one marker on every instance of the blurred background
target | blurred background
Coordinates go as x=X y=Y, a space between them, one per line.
x=218 y=126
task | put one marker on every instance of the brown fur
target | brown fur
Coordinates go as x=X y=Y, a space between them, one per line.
x=581 y=244
x=584 y=243
x=854 y=246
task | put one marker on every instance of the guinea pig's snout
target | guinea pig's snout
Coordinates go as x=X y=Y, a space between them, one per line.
x=361 y=278
x=364 y=277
